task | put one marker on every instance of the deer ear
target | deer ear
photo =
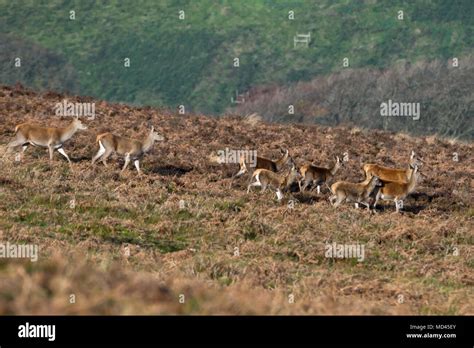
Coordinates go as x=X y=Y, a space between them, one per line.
x=412 y=155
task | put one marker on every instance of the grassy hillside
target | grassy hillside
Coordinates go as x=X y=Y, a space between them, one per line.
x=416 y=262
x=190 y=61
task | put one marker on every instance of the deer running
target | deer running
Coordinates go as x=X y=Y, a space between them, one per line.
x=358 y=193
x=312 y=174
x=265 y=163
x=391 y=174
x=398 y=191
x=131 y=149
x=47 y=137
x=280 y=183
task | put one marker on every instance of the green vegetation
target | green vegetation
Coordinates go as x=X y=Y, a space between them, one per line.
x=190 y=61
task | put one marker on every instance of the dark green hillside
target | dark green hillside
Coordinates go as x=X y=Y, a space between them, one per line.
x=190 y=61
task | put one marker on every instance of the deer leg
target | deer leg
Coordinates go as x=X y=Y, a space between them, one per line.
x=329 y=187
x=61 y=151
x=23 y=149
x=51 y=150
x=251 y=178
x=338 y=201
x=306 y=183
x=377 y=197
x=127 y=161
x=239 y=173
x=105 y=156
x=314 y=184
x=398 y=205
x=99 y=153
x=137 y=165
x=256 y=183
x=250 y=182
x=279 y=194
x=249 y=185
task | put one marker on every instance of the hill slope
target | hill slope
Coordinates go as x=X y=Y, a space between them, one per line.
x=190 y=61
x=416 y=262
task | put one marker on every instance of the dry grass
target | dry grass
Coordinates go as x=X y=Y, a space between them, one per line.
x=191 y=251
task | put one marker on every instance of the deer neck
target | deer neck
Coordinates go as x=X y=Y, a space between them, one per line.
x=279 y=163
x=148 y=143
x=68 y=132
x=334 y=168
x=412 y=182
x=370 y=187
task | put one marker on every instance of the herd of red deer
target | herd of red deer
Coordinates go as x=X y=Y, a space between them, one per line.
x=384 y=183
